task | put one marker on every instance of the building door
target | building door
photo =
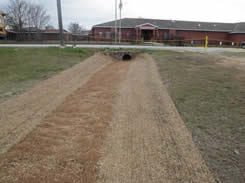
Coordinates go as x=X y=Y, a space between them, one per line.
x=147 y=35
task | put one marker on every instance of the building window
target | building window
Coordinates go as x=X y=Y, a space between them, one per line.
x=108 y=35
x=177 y=36
x=100 y=34
x=165 y=36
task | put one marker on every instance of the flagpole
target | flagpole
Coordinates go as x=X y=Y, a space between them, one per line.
x=120 y=24
x=115 y=21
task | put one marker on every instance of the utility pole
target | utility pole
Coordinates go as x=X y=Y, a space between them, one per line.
x=60 y=23
x=120 y=23
x=116 y=22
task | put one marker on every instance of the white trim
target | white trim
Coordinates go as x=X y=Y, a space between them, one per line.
x=237 y=32
x=201 y=30
x=112 y=27
x=141 y=25
x=147 y=28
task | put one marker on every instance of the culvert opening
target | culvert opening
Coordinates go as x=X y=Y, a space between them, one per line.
x=126 y=57
x=122 y=55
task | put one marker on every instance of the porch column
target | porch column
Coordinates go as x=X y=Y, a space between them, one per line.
x=154 y=34
x=157 y=33
x=137 y=33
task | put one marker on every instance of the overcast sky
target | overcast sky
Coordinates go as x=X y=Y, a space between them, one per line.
x=91 y=12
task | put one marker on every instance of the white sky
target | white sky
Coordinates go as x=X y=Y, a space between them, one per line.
x=91 y=12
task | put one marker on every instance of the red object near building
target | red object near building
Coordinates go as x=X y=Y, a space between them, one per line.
x=167 y=30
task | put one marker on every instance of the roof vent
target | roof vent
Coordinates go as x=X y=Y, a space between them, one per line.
x=199 y=25
x=173 y=21
x=214 y=25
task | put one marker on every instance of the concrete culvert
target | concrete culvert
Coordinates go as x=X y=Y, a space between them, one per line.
x=122 y=55
x=126 y=57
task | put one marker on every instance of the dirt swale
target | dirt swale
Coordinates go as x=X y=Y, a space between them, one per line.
x=65 y=147
x=120 y=126
x=148 y=141
x=22 y=114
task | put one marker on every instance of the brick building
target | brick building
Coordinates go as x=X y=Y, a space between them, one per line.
x=161 y=30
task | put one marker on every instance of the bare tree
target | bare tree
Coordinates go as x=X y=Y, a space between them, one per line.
x=37 y=16
x=40 y=18
x=21 y=14
x=16 y=14
x=75 y=28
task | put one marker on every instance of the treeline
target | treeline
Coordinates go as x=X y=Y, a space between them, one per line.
x=22 y=15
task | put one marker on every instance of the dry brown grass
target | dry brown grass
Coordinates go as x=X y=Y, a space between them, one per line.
x=208 y=91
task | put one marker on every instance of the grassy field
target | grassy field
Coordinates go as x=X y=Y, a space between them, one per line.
x=21 y=68
x=210 y=97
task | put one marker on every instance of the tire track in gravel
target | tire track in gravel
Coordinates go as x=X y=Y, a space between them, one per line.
x=20 y=115
x=65 y=146
x=148 y=141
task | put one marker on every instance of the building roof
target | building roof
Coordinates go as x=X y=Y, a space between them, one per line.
x=239 y=28
x=179 y=25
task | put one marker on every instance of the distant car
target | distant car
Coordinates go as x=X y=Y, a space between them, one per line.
x=243 y=45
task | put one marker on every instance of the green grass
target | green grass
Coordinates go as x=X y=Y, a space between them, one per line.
x=210 y=98
x=21 y=68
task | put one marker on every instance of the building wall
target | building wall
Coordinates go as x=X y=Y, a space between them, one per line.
x=237 y=37
x=100 y=33
x=163 y=34
x=202 y=35
x=130 y=35
x=108 y=34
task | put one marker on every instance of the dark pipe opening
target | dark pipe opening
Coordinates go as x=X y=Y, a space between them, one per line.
x=126 y=57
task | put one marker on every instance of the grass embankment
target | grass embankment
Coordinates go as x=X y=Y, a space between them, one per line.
x=22 y=68
x=210 y=97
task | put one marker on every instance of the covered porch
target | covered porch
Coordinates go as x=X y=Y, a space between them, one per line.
x=147 y=32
